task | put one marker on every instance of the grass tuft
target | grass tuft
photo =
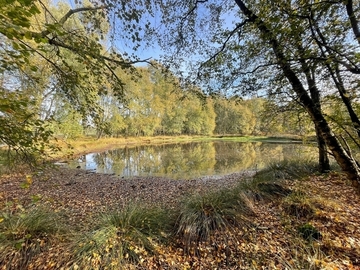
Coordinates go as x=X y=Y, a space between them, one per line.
x=289 y=169
x=200 y=215
x=299 y=205
x=269 y=182
x=25 y=233
x=124 y=236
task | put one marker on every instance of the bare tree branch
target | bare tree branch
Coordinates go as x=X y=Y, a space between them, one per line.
x=69 y=14
x=77 y=10
x=224 y=43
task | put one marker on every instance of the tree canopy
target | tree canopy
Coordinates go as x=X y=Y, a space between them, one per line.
x=293 y=51
x=302 y=56
x=53 y=54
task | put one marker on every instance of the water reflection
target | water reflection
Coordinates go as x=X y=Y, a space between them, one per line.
x=189 y=160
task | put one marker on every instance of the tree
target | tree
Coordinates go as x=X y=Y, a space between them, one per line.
x=269 y=46
x=288 y=119
x=310 y=102
x=233 y=117
x=48 y=52
x=67 y=122
x=25 y=136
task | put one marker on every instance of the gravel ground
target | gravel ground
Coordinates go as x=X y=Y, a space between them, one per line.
x=82 y=193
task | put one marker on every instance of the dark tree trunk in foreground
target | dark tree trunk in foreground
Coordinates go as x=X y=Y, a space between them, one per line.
x=324 y=164
x=346 y=162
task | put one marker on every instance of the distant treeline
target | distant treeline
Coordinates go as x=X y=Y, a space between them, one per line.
x=156 y=104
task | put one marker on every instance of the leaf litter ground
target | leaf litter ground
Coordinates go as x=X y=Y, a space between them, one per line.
x=270 y=241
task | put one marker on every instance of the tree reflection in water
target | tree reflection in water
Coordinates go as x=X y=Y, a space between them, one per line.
x=190 y=160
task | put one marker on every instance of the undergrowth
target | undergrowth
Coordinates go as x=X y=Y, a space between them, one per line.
x=133 y=234
x=124 y=236
x=201 y=215
x=26 y=232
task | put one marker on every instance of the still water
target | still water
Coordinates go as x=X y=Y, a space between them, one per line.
x=190 y=160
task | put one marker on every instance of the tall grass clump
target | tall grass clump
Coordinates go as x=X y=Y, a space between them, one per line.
x=200 y=215
x=289 y=169
x=25 y=233
x=125 y=236
x=304 y=255
x=268 y=182
x=298 y=204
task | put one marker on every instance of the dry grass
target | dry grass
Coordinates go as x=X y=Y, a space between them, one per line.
x=313 y=226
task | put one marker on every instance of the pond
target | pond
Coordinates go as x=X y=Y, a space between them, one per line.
x=191 y=160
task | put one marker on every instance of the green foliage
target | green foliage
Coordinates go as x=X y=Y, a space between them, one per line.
x=157 y=105
x=285 y=119
x=233 y=117
x=26 y=137
x=127 y=235
x=51 y=56
x=117 y=124
x=287 y=52
x=68 y=123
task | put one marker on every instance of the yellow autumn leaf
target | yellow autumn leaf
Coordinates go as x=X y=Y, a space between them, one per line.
x=29 y=179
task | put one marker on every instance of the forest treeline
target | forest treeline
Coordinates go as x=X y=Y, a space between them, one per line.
x=156 y=104
x=58 y=79
x=73 y=70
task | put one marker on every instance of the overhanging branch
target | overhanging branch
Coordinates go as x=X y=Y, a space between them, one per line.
x=240 y=25
x=70 y=13
x=97 y=56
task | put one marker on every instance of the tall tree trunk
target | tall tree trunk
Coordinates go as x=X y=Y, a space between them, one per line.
x=353 y=20
x=335 y=72
x=324 y=164
x=346 y=162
